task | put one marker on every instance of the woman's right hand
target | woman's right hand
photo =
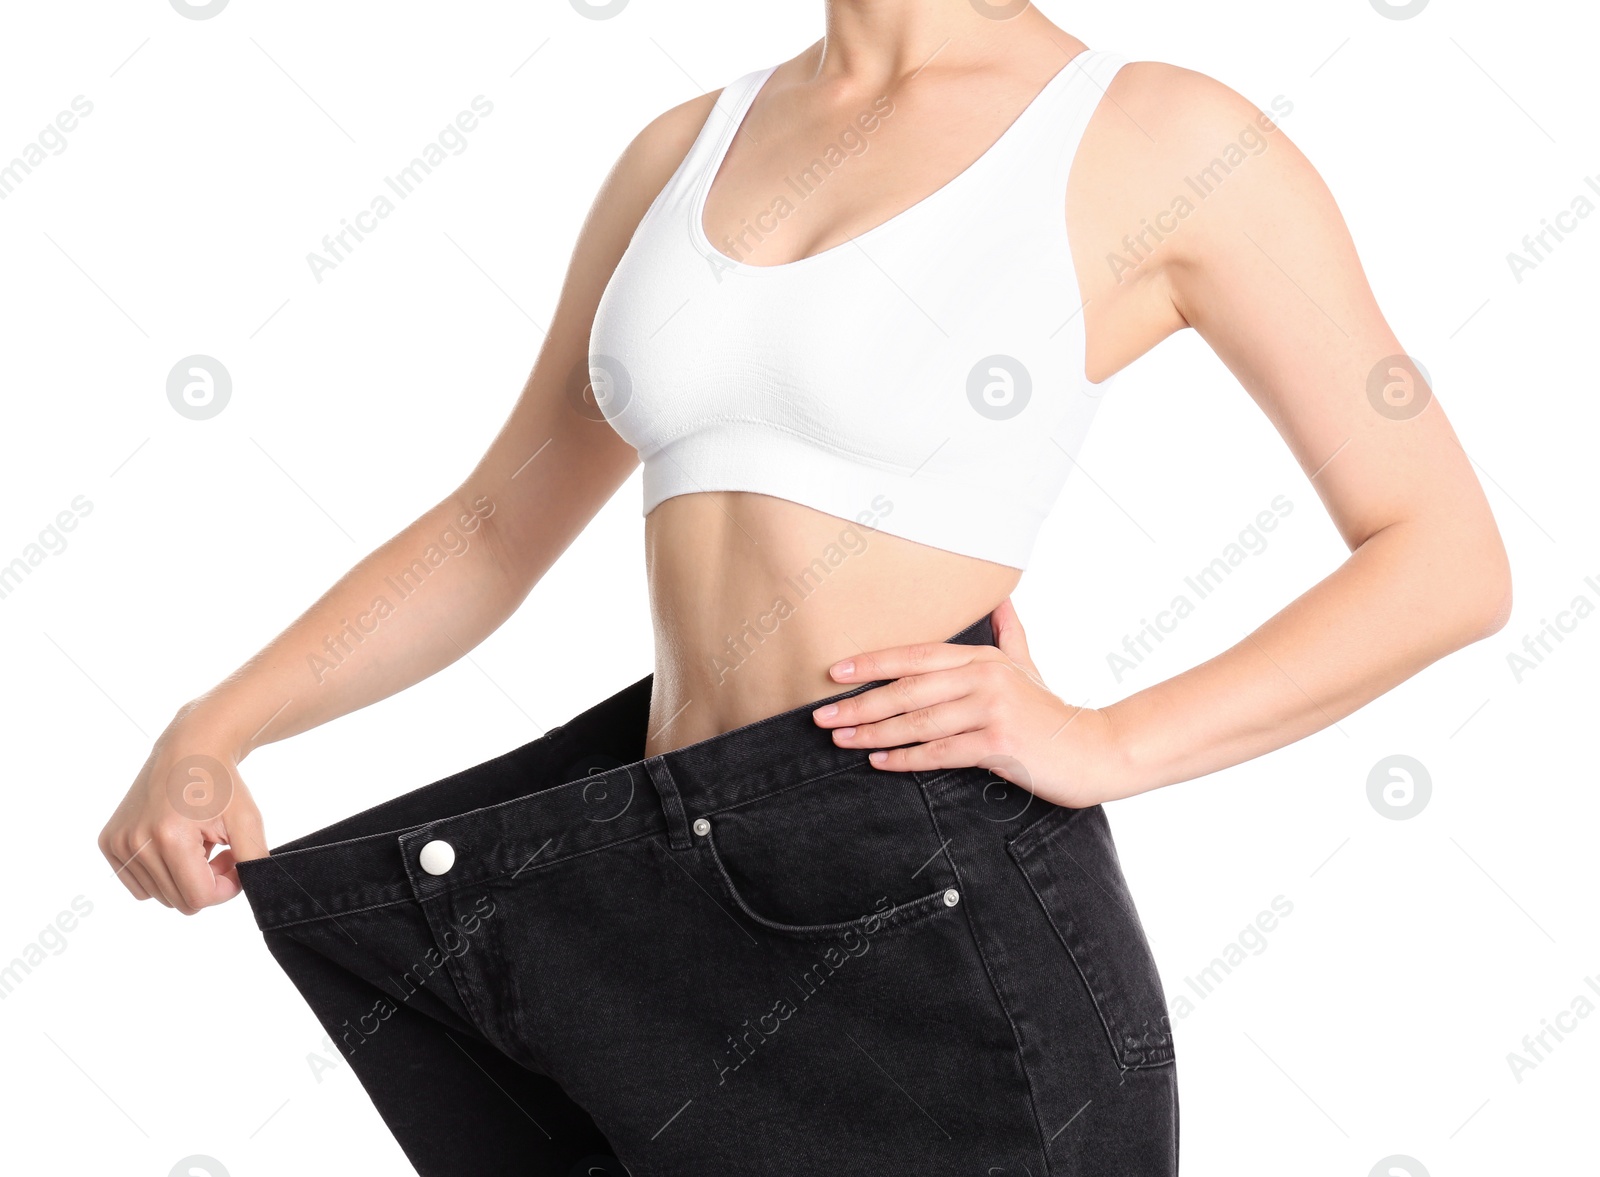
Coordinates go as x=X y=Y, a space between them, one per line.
x=187 y=799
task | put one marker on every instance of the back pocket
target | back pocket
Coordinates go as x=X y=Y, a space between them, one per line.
x=1070 y=861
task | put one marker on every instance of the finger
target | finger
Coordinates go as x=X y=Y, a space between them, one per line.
x=225 y=867
x=167 y=848
x=958 y=751
x=897 y=697
x=161 y=881
x=125 y=876
x=243 y=831
x=149 y=882
x=220 y=863
x=137 y=867
x=1011 y=639
x=900 y=661
x=191 y=873
x=1004 y=616
x=240 y=828
x=941 y=721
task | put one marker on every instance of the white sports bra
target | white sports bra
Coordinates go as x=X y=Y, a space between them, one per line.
x=925 y=378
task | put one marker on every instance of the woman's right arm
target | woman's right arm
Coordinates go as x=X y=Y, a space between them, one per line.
x=418 y=602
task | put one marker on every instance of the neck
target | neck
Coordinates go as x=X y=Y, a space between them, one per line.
x=881 y=43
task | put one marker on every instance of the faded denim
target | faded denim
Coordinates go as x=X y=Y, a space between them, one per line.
x=752 y=956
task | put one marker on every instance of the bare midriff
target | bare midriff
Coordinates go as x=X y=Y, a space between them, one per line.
x=753 y=598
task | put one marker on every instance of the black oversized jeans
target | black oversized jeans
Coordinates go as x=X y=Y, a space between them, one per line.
x=751 y=956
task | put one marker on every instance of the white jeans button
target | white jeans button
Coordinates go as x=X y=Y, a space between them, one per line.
x=437 y=857
x=702 y=826
x=952 y=897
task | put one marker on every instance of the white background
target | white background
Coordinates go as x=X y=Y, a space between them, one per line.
x=1377 y=1019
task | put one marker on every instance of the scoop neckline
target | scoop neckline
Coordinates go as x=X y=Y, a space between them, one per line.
x=753 y=89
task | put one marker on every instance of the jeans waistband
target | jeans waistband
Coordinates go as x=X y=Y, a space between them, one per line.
x=563 y=801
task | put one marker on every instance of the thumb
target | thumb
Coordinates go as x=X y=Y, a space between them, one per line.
x=239 y=829
x=224 y=867
x=243 y=830
x=1011 y=639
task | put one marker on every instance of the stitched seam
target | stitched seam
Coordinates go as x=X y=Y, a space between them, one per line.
x=821 y=776
x=1111 y=1040
x=463 y=989
x=938 y=784
x=736 y=114
x=988 y=969
x=1094 y=999
x=314 y=919
x=518 y=1036
x=550 y=861
x=698 y=426
x=897 y=918
x=949 y=772
x=1047 y=826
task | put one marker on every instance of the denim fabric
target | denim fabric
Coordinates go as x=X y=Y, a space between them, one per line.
x=752 y=956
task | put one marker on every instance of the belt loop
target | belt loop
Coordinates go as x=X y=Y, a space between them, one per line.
x=671 y=802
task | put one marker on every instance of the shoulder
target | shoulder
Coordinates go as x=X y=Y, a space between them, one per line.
x=660 y=146
x=1175 y=177
x=1164 y=119
x=635 y=179
x=666 y=139
x=1178 y=147
x=1183 y=107
x=656 y=150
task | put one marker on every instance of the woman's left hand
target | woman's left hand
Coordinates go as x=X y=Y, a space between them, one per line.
x=959 y=706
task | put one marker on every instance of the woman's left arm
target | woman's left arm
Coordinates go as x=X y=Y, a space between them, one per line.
x=1269 y=277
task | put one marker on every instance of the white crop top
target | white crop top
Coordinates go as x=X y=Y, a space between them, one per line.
x=925 y=377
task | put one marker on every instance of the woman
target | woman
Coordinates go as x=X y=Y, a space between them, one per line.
x=772 y=910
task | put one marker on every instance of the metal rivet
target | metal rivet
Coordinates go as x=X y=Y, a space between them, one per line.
x=702 y=826
x=952 y=897
x=437 y=857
